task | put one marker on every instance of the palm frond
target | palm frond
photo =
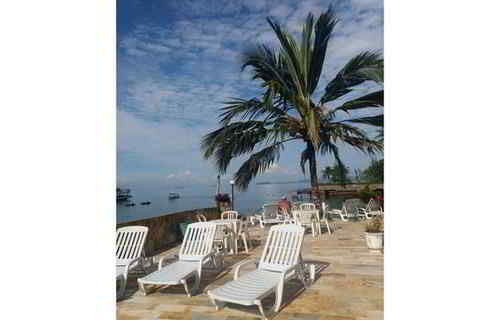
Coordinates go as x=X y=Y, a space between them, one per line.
x=266 y=66
x=371 y=100
x=258 y=163
x=232 y=141
x=322 y=32
x=353 y=136
x=358 y=70
x=305 y=156
x=377 y=121
x=250 y=109
x=291 y=55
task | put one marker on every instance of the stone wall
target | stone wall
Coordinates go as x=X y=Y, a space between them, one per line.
x=164 y=231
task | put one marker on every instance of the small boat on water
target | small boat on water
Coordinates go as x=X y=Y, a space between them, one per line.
x=122 y=194
x=173 y=195
x=130 y=204
x=145 y=203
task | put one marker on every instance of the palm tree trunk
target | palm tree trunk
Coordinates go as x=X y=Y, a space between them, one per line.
x=313 y=172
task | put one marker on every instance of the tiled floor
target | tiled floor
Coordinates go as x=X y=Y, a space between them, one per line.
x=350 y=285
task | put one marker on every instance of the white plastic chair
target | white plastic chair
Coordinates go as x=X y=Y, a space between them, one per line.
x=230 y=214
x=307 y=206
x=270 y=214
x=286 y=217
x=307 y=219
x=280 y=261
x=196 y=250
x=323 y=219
x=129 y=250
x=221 y=240
x=242 y=233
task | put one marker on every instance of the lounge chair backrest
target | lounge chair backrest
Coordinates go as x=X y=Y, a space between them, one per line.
x=307 y=206
x=130 y=243
x=270 y=211
x=198 y=241
x=373 y=205
x=282 y=248
x=230 y=214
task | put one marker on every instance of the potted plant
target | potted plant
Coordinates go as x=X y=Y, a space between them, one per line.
x=223 y=201
x=375 y=233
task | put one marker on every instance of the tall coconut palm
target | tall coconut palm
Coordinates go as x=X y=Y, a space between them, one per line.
x=286 y=111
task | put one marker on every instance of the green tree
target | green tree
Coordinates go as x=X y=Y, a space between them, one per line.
x=286 y=110
x=375 y=172
x=338 y=174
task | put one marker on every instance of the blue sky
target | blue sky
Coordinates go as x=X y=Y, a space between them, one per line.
x=179 y=60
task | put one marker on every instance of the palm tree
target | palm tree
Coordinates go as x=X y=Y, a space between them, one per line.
x=336 y=174
x=261 y=126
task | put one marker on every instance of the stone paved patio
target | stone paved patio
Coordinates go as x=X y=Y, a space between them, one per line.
x=349 y=286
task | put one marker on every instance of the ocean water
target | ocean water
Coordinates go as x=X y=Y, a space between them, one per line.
x=202 y=196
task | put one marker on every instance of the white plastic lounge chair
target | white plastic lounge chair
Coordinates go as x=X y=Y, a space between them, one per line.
x=196 y=250
x=342 y=213
x=372 y=209
x=307 y=219
x=270 y=214
x=230 y=214
x=280 y=261
x=129 y=249
x=352 y=208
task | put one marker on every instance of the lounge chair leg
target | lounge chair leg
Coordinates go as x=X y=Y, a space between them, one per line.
x=279 y=297
x=197 y=279
x=261 y=309
x=122 y=285
x=328 y=227
x=142 y=288
x=184 y=282
x=245 y=242
x=218 y=304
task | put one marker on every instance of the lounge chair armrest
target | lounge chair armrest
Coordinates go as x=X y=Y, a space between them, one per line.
x=291 y=269
x=242 y=263
x=129 y=263
x=172 y=255
x=208 y=256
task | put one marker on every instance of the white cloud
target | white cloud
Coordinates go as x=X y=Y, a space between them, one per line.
x=174 y=77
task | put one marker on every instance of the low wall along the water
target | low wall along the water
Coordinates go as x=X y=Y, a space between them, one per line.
x=164 y=230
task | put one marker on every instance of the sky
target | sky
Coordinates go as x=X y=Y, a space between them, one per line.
x=178 y=61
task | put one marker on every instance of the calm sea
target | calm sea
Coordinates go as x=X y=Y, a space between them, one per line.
x=200 y=196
